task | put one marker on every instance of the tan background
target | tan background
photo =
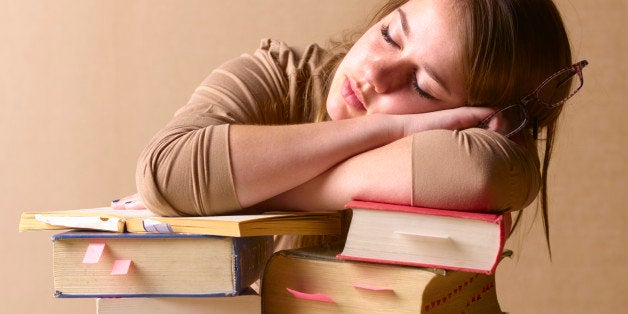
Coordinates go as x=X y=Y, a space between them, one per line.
x=84 y=84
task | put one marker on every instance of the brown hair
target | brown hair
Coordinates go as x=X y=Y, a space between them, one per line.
x=510 y=47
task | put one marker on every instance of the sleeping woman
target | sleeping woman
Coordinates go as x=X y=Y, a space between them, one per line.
x=436 y=104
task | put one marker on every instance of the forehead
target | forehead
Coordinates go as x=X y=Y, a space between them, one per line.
x=435 y=20
x=435 y=36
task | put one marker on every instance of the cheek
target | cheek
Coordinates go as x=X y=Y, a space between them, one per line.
x=335 y=106
x=397 y=103
x=332 y=104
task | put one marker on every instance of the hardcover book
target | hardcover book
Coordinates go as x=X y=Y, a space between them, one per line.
x=141 y=221
x=406 y=235
x=102 y=264
x=312 y=280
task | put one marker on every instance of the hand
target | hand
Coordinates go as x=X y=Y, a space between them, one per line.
x=129 y=202
x=503 y=122
x=450 y=119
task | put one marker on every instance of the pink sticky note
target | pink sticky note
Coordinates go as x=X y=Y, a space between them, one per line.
x=308 y=296
x=121 y=267
x=93 y=253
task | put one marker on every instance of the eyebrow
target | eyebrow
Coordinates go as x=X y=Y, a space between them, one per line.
x=404 y=22
x=428 y=69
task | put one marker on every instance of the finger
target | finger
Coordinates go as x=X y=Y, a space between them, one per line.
x=117 y=204
x=123 y=202
x=466 y=117
x=138 y=204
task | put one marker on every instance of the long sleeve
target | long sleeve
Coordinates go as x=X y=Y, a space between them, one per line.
x=185 y=169
x=473 y=169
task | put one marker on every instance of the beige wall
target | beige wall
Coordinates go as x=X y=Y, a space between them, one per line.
x=84 y=84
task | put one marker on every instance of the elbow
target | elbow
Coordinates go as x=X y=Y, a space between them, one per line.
x=184 y=173
x=504 y=183
x=472 y=170
x=152 y=181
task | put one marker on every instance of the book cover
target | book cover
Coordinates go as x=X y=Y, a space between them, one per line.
x=313 y=280
x=142 y=221
x=101 y=218
x=406 y=235
x=102 y=264
x=301 y=223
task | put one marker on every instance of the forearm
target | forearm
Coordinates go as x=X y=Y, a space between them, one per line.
x=270 y=160
x=383 y=174
x=192 y=169
x=471 y=170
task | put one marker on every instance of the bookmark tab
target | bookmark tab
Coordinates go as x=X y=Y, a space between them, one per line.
x=371 y=287
x=309 y=296
x=93 y=253
x=424 y=235
x=121 y=267
x=151 y=225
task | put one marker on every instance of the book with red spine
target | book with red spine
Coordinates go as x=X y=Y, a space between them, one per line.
x=426 y=237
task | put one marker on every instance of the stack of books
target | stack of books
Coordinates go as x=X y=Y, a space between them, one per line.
x=132 y=261
x=396 y=259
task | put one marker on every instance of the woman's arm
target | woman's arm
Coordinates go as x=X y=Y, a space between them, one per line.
x=270 y=160
x=383 y=174
x=462 y=170
x=187 y=170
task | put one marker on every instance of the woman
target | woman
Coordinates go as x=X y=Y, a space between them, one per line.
x=391 y=117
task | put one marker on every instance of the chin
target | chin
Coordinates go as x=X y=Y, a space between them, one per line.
x=335 y=105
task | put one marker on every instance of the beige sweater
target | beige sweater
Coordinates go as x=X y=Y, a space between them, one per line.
x=186 y=170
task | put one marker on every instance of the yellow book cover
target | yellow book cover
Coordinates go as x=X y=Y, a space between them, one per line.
x=142 y=221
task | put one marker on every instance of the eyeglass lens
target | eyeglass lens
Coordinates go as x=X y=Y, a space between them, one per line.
x=555 y=91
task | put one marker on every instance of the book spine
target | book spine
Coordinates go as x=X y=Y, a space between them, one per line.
x=249 y=258
x=505 y=223
x=60 y=294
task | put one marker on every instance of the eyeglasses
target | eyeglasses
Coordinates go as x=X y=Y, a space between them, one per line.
x=546 y=94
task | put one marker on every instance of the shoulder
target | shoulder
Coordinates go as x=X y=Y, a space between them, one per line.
x=292 y=58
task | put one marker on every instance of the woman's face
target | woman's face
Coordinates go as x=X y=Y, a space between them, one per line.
x=409 y=62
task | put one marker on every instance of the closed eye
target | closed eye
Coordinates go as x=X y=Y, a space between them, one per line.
x=419 y=90
x=387 y=38
x=415 y=83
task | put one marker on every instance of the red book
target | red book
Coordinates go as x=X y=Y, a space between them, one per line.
x=425 y=237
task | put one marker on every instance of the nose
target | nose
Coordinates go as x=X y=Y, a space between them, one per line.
x=386 y=75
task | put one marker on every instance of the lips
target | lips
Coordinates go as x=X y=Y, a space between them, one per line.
x=352 y=95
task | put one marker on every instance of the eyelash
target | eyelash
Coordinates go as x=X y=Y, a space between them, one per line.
x=387 y=38
x=415 y=84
